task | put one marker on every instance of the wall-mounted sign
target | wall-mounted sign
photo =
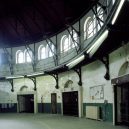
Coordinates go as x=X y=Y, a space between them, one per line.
x=97 y=92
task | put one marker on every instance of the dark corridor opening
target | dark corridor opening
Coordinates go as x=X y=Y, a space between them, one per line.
x=70 y=103
x=53 y=103
x=26 y=103
x=122 y=104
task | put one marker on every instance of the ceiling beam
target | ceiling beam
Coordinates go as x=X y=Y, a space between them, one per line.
x=25 y=25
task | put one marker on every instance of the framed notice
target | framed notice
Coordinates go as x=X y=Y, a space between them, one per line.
x=97 y=92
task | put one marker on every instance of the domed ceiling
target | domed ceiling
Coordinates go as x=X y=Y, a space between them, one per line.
x=29 y=21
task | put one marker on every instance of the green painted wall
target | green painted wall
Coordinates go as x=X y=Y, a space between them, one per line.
x=106 y=110
x=8 y=108
x=46 y=108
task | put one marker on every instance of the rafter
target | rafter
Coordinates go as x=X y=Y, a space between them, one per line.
x=24 y=24
x=33 y=18
x=44 y=16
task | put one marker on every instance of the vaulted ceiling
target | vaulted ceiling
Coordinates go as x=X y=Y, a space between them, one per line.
x=28 y=21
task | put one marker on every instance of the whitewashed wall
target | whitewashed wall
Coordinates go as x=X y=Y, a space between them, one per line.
x=92 y=75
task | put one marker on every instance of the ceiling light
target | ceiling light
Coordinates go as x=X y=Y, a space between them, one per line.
x=75 y=62
x=117 y=11
x=97 y=43
x=14 y=77
x=35 y=74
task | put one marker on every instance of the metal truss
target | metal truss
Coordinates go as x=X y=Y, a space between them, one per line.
x=55 y=57
x=96 y=11
x=78 y=46
x=9 y=59
x=33 y=57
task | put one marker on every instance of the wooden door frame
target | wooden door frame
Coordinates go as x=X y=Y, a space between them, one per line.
x=56 y=102
x=80 y=99
x=77 y=98
x=25 y=96
x=119 y=81
x=35 y=99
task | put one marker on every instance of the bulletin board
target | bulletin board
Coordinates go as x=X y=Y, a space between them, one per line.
x=97 y=92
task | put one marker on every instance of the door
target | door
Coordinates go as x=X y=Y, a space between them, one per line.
x=125 y=104
x=122 y=104
x=53 y=103
x=26 y=103
x=70 y=103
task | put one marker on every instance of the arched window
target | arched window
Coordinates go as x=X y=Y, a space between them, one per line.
x=42 y=54
x=73 y=41
x=100 y=14
x=65 y=46
x=113 y=1
x=19 y=57
x=27 y=55
x=89 y=26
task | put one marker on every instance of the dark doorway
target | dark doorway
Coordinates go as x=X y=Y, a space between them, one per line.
x=26 y=103
x=70 y=103
x=122 y=104
x=53 y=103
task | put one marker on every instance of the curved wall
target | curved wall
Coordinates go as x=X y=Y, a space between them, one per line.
x=48 y=63
x=92 y=77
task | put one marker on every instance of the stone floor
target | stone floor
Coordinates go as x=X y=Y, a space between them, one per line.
x=45 y=121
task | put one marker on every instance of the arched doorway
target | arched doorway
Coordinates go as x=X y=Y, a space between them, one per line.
x=121 y=95
x=27 y=101
x=71 y=99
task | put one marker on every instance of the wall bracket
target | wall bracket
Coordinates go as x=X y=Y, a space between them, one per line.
x=79 y=73
x=34 y=81
x=105 y=61
x=56 y=78
x=12 y=84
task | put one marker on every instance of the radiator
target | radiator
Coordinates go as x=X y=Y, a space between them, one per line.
x=93 y=112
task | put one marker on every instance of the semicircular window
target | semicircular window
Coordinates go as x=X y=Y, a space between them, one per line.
x=65 y=46
x=113 y=1
x=19 y=57
x=88 y=28
x=42 y=54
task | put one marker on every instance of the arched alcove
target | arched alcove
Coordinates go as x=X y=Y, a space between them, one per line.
x=124 y=69
x=24 y=88
x=68 y=84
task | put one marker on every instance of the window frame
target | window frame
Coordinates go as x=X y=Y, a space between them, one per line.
x=17 y=57
x=63 y=45
x=40 y=52
x=89 y=22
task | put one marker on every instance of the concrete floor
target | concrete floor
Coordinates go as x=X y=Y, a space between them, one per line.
x=47 y=121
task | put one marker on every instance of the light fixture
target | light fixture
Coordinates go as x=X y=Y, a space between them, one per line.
x=117 y=11
x=35 y=74
x=14 y=77
x=97 y=43
x=75 y=62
